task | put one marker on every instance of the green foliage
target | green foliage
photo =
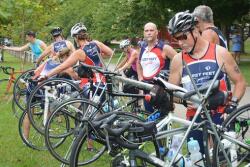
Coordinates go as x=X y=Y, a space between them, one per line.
x=24 y=15
x=106 y=19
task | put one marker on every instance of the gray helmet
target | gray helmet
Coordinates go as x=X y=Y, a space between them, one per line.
x=181 y=22
x=124 y=43
x=77 y=28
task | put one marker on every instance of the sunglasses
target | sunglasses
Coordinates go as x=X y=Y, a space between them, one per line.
x=181 y=37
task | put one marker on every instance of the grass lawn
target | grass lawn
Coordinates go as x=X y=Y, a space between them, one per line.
x=12 y=151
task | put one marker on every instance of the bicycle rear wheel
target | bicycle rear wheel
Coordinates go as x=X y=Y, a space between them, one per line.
x=50 y=94
x=19 y=92
x=78 y=150
x=237 y=127
x=75 y=110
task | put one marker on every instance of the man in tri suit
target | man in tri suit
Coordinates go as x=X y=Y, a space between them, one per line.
x=203 y=59
x=209 y=31
x=154 y=57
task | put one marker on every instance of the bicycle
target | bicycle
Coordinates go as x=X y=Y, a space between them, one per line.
x=11 y=80
x=19 y=102
x=202 y=105
x=75 y=107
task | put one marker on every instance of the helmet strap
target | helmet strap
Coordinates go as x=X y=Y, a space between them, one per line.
x=195 y=41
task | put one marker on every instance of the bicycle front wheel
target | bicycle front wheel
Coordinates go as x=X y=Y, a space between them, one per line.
x=236 y=127
x=79 y=146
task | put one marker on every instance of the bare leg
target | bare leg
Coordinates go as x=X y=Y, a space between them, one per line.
x=26 y=126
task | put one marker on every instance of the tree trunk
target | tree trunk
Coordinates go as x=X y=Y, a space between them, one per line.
x=226 y=31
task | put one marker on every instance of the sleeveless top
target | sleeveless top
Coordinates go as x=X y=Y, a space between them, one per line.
x=57 y=46
x=36 y=48
x=48 y=66
x=202 y=71
x=134 y=63
x=92 y=52
x=223 y=41
x=152 y=61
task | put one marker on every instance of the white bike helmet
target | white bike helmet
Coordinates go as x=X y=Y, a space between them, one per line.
x=124 y=43
x=77 y=28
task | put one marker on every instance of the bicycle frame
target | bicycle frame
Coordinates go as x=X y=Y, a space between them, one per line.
x=200 y=100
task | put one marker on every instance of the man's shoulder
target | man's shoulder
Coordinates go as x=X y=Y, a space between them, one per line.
x=221 y=51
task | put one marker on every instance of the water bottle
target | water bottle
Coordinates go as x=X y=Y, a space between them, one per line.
x=176 y=141
x=232 y=147
x=105 y=108
x=115 y=104
x=195 y=155
x=188 y=162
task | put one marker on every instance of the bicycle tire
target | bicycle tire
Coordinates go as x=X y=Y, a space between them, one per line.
x=20 y=90
x=37 y=94
x=230 y=125
x=81 y=139
x=71 y=109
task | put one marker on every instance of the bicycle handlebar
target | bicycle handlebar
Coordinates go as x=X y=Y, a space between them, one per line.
x=7 y=70
x=100 y=70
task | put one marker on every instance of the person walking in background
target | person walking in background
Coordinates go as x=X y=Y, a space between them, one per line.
x=236 y=46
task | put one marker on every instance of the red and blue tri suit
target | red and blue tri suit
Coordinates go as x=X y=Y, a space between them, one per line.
x=92 y=52
x=202 y=71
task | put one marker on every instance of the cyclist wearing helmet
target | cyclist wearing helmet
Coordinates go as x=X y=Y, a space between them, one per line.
x=203 y=62
x=88 y=52
x=129 y=62
x=36 y=45
x=58 y=44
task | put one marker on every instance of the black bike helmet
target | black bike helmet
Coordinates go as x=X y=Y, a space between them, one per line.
x=56 y=31
x=181 y=22
x=31 y=33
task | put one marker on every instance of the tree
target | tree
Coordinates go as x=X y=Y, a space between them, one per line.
x=27 y=15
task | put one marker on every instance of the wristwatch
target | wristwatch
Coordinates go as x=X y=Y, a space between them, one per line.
x=234 y=99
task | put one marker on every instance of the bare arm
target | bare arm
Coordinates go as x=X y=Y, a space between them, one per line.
x=107 y=51
x=22 y=48
x=169 y=52
x=232 y=70
x=175 y=70
x=210 y=36
x=78 y=55
x=121 y=64
x=71 y=47
x=43 y=45
x=139 y=70
x=44 y=54
x=131 y=60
